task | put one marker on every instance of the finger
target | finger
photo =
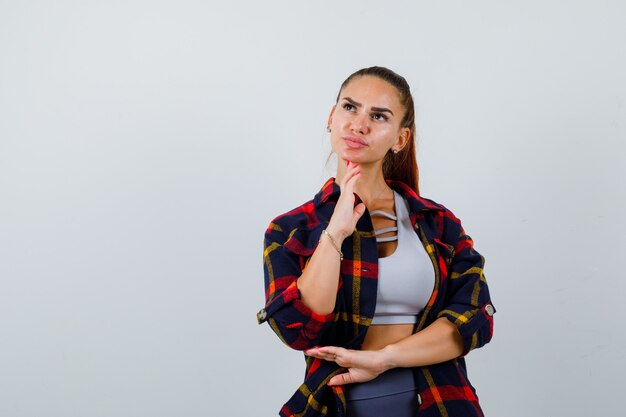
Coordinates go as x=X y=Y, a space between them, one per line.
x=321 y=353
x=315 y=352
x=340 y=355
x=323 y=356
x=358 y=212
x=329 y=352
x=353 y=165
x=349 y=191
x=311 y=352
x=351 y=179
x=341 y=379
x=332 y=350
x=352 y=169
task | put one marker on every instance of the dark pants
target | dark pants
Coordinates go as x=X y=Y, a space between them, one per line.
x=391 y=394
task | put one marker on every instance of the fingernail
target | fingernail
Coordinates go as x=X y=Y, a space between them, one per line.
x=356 y=165
x=358 y=172
x=347 y=162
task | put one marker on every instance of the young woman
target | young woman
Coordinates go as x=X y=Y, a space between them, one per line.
x=380 y=287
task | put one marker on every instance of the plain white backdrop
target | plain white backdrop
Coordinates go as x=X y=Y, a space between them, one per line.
x=146 y=145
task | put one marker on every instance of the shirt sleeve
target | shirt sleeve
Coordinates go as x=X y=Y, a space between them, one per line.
x=467 y=301
x=294 y=322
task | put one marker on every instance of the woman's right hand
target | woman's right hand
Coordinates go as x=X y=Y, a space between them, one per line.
x=344 y=218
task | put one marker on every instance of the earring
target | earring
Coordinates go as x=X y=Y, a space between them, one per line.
x=395 y=151
x=328 y=128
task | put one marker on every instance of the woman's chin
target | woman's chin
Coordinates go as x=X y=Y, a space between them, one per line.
x=351 y=155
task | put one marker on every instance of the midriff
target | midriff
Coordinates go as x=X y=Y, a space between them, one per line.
x=380 y=335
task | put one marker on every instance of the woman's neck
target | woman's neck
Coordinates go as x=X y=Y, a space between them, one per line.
x=371 y=184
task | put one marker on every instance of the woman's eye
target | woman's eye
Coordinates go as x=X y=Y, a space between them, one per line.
x=375 y=116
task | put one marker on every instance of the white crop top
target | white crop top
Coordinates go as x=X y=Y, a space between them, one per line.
x=406 y=278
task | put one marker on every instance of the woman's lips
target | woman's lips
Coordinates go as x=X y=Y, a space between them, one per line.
x=354 y=143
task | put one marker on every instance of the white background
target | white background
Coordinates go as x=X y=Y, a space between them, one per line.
x=146 y=145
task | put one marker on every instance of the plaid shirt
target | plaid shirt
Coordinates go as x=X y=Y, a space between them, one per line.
x=460 y=295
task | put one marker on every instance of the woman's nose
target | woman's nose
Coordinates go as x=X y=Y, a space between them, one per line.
x=360 y=123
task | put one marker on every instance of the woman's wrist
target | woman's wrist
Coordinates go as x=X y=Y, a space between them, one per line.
x=328 y=237
x=337 y=235
x=388 y=354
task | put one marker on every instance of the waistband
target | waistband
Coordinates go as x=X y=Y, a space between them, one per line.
x=393 y=381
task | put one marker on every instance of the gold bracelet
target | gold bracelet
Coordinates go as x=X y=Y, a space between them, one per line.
x=334 y=244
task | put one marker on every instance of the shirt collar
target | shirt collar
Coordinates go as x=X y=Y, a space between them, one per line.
x=330 y=191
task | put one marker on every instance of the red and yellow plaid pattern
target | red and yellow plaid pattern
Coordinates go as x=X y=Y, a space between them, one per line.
x=460 y=294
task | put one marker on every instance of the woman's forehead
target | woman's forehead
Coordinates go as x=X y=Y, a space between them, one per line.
x=372 y=91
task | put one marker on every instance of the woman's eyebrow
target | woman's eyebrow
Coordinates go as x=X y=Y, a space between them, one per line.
x=378 y=109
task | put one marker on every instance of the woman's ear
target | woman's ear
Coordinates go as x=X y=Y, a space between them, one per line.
x=330 y=116
x=403 y=138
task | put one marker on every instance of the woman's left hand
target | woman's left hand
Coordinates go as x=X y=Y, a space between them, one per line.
x=363 y=365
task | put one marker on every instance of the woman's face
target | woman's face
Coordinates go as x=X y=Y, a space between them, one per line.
x=365 y=122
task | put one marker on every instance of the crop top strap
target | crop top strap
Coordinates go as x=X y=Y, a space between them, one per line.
x=386 y=229
x=383 y=213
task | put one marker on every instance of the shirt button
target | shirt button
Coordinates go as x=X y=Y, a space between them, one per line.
x=419 y=399
x=489 y=309
x=261 y=315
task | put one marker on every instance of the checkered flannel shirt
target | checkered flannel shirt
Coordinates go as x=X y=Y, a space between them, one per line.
x=460 y=295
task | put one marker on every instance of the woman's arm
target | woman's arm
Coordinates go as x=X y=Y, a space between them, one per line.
x=289 y=312
x=320 y=279
x=300 y=299
x=436 y=343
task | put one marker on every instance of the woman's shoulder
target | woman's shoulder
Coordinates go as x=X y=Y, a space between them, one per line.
x=437 y=207
x=417 y=202
x=298 y=230
x=301 y=216
x=447 y=223
x=432 y=203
